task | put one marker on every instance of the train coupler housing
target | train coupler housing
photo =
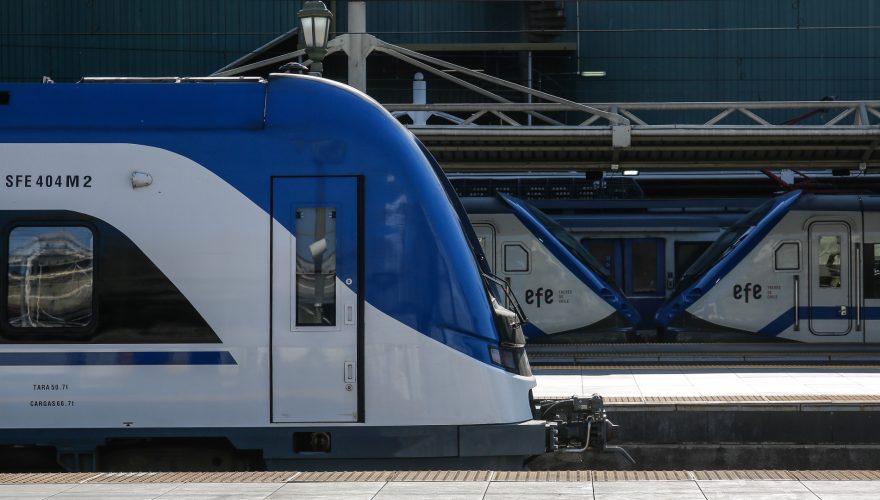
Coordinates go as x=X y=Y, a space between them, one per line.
x=576 y=425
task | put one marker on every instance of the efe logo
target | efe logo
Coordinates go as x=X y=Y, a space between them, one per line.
x=742 y=292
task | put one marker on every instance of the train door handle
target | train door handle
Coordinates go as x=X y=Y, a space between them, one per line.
x=350 y=375
x=843 y=310
x=349 y=314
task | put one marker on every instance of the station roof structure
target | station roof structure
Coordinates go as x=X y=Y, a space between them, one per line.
x=701 y=136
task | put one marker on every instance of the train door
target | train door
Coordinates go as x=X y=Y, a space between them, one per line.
x=316 y=327
x=830 y=303
x=486 y=236
x=638 y=266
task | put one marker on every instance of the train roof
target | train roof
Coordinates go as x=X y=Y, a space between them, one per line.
x=836 y=202
x=178 y=103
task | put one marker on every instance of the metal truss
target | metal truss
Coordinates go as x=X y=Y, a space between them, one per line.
x=519 y=128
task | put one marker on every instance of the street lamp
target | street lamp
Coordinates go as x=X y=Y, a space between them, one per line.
x=315 y=19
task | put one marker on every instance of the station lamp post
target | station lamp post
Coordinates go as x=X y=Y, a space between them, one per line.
x=315 y=19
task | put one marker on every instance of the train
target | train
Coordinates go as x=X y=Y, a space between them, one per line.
x=567 y=296
x=234 y=273
x=800 y=267
x=642 y=245
x=647 y=245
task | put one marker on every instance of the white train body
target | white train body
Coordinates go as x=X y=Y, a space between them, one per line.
x=802 y=267
x=564 y=292
x=156 y=288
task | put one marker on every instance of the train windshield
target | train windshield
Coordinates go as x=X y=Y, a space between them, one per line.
x=568 y=241
x=725 y=243
x=498 y=288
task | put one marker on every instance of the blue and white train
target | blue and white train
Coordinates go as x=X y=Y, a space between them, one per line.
x=567 y=295
x=258 y=273
x=802 y=267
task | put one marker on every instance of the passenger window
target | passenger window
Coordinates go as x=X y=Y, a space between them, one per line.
x=50 y=277
x=315 y=266
x=788 y=257
x=644 y=263
x=516 y=258
x=872 y=271
x=829 y=261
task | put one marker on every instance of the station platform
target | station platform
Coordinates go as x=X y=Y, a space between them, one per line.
x=464 y=485
x=720 y=417
x=666 y=383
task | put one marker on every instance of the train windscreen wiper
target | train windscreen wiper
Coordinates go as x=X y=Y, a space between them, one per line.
x=510 y=298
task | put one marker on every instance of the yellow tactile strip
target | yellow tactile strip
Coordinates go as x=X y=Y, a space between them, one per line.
x=444 y=476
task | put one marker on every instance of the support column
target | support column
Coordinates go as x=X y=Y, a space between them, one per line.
x=357 y=50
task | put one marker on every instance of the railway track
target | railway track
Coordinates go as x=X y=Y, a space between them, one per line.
x=665 y=355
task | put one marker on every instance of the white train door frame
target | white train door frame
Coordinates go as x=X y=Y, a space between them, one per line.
x=317 y=325
x=831 y=309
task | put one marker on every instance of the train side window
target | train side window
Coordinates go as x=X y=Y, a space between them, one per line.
x=872 y=271
x=829 y=262
x=50 y=277
x=315 y=266
x=788 y=257
x=516 y=258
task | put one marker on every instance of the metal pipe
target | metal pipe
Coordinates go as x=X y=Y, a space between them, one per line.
x=398 y=51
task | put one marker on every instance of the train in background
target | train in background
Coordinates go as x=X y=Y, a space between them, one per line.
x=567 y=296
x=646 y=230
x=643 y=246
x=802 y=267
x=646 y=245
x=245 y=273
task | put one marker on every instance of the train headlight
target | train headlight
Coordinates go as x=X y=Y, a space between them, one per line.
x=503 y=357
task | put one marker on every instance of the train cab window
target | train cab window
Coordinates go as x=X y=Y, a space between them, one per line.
x=829 y=262
x=686 y=253
x=315 y=266
x=644 y=264
x=872 y=271
x=787 y=257
x=516 y=258
x=50 y=277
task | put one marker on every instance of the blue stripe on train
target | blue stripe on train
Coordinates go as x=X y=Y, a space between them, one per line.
x=786 y=319
x=117 y=358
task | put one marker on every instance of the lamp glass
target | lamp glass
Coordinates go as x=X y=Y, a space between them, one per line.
x=308 y=31
x=321 y=30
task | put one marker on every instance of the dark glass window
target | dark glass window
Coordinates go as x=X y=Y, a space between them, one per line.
x=315 y=267
x=644 y=265
x=787 y=257
x=516 y=259
x=686 y=253
x=603 y=252
x=50 y=277
x=872 y=271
